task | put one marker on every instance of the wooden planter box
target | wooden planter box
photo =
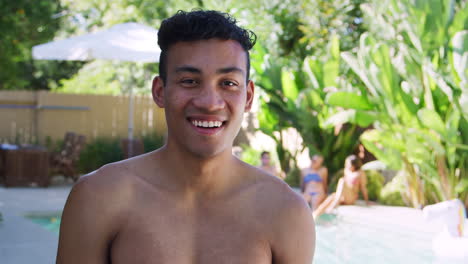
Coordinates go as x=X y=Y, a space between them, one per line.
x=25 y=167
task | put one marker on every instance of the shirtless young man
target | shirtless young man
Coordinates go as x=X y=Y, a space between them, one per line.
x=348 y=187
x=191 y=201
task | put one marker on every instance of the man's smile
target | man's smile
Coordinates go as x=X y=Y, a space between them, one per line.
x=207 y=125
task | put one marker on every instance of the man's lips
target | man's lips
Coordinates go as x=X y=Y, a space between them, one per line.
x=207 y=125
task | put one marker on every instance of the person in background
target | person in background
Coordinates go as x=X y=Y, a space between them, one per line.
x=267 y=166
x=347 y=190
x=314 y=180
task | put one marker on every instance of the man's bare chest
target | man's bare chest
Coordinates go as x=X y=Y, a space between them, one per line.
x=174 y=236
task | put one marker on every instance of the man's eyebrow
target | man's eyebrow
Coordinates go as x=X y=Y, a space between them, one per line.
x=187 y=69
x=191 y=69
x=230 y=69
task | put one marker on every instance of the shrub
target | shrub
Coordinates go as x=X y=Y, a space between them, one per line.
x=53 y=145
x=293 y=177
x=152 y=142
x=334 y=181
x=250 y=155
x=98 y=153
x=391 y=192
x=375 y=182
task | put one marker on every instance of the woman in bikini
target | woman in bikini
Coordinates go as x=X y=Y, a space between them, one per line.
x=314 y=182
x=347 y=190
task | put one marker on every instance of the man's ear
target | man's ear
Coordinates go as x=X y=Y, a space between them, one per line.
x=158 y=91
x=250 y=95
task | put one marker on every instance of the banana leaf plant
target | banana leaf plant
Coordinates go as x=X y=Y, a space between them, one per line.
x=415 y=75
x=296 y=98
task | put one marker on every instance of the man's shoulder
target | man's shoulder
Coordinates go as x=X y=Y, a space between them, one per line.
x=279 y=208
x=96 y=188
x=272 y=193
x=111 y=181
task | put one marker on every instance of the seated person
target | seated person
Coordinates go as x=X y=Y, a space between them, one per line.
x=347 y=190
x=314 y=182
x=268 y=167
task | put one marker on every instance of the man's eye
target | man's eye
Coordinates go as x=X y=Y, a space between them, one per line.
x=188 y=82
x=229 y=83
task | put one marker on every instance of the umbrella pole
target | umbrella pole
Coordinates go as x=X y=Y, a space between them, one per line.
x=130 y=123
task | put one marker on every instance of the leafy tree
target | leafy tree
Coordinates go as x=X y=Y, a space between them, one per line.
x=297 y=99
x=306 y=27
x=24 y=24
x=302 y=68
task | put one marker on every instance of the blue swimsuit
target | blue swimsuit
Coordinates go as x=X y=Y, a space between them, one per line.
x=312 y=177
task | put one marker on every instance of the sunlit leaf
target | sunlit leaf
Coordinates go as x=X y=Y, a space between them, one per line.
x=349 y=100
x=459 y=44
x=290 y=89
x=340 y=118
x=430 y=119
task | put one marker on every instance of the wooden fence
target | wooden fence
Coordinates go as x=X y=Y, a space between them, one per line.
x=31 y=117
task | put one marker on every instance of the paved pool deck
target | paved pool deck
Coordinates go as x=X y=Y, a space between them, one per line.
x=23 y=241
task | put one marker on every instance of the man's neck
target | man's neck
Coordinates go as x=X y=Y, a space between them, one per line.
x=188 y=173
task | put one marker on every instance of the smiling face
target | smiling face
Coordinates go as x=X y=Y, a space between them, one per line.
x=205 y=95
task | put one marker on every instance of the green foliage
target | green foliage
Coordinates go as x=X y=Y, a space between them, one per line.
x=250 y=155
x=293 y=178
x=391 y=192
x=416 y=104
x=333 y=182
x=152 y=142
x=53 y=145
x=102 y=151
x=297 y=99
x=307 y=27
x=374 y=185
x=24 y=24
x=110 y=77
x=98 y=153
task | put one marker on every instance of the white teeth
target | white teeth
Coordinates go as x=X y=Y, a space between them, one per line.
x=207 y=123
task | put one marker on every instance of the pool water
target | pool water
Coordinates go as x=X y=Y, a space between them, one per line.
x=342 y=241
x=49 y=222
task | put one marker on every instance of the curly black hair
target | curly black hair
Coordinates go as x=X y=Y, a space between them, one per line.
x=201 y=25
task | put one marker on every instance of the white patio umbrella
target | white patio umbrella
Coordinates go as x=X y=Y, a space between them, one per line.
x=123 y=42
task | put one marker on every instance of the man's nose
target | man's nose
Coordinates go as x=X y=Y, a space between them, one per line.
x=209 y=99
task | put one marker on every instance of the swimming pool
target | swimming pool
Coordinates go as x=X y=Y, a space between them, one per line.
x=344 y=241
x=50 y=222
